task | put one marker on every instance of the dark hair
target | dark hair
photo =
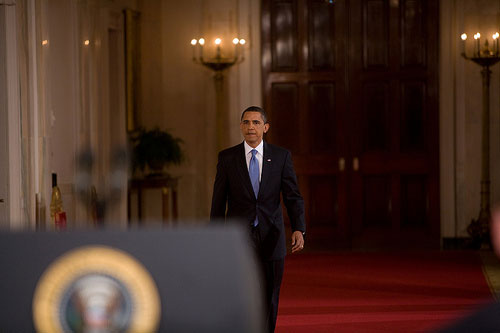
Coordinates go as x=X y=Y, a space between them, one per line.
x=256 y=109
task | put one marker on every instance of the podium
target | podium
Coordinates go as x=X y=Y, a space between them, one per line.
x=187 y=280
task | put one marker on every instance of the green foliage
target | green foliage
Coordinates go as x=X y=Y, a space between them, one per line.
x=156 y=149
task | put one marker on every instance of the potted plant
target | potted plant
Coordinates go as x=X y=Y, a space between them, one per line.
x=155 y=149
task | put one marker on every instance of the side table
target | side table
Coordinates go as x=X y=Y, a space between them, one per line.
x=168 y=187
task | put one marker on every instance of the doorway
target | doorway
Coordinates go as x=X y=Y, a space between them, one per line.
x=351 y=89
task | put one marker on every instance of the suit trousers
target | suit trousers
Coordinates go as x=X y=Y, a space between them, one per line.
x=272 y=275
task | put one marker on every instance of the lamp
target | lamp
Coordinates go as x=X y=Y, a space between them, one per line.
x=218 y=63
x=485 y=56
x=222 y=60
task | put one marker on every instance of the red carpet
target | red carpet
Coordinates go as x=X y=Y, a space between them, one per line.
x=379 y=292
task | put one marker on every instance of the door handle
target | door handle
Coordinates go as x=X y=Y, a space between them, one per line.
x=355 y=164
x=341 y=164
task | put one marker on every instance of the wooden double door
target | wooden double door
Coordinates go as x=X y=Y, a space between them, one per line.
x=351 y=89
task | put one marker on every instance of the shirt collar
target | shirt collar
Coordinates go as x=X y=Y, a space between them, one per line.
x=260 y=148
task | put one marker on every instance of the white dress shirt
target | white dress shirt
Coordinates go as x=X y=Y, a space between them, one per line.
x=259 y=155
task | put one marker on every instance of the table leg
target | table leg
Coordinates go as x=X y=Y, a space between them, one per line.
x=165 y=201
x=139 y=204
x=174 y=204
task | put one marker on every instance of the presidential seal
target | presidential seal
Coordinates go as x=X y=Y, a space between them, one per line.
x=96 y=289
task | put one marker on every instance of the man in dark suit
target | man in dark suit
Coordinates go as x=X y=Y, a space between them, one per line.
x=250 y=178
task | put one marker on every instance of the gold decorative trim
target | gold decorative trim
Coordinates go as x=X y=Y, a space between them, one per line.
x=66 y=270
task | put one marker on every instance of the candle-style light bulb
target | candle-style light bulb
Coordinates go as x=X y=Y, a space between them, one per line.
x=477 y=37
x=242 y=41
x=201 y=42
x=464 y=38
x=217 y=54
x=495 y=40
x=235 y=42
x=193 y=43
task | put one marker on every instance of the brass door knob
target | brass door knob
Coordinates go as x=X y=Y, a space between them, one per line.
x=341 y=164
x=355 y=164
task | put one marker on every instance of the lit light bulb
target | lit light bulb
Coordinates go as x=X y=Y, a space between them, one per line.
x=477 y=36
x=218 y=41
x=242 y=41
x=236 y=41
x=45 y=42
x=496 y=35
x=201 y=41
x=463 y=36
x=86 y=42
x=193 y=42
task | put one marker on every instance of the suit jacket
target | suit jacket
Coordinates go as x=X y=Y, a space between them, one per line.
x=232 y=188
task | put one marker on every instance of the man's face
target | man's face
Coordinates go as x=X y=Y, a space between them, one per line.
x=253 y=128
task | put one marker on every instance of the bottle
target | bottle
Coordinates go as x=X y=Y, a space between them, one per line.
x=57 y=215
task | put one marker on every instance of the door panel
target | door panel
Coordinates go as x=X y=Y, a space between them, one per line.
x=412 y=129
x=377 y=203
x=283 y=35
x=413 y=43
x=285 y=105
x=321 y=30
x=321 y=117
x=375 y=117
x=375 y=34
x=414 y=202
x=325 y=211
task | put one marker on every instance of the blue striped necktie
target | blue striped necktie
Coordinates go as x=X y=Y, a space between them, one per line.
x=253 y=170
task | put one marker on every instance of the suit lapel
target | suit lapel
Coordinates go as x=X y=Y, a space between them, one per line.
x=266 y=167
x=243 y=169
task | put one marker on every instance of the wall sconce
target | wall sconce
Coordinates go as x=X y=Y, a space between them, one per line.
x=218 y=63
x=484 y=57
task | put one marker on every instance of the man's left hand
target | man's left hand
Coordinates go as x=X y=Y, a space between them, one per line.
x=297 y=241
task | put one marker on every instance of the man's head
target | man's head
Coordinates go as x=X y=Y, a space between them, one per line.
x=253 y=125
